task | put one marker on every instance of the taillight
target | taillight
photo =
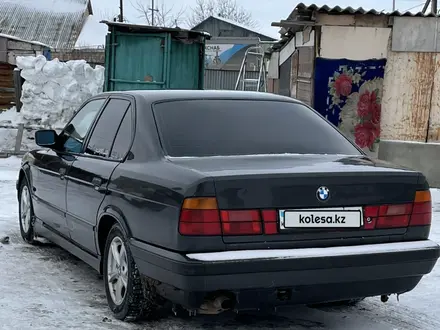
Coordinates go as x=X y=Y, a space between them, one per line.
x=246 y=222
x=417 y=213
x=422 y=211
x=201 y=217
x=270 y=221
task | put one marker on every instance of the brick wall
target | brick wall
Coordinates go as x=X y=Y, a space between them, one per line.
x=91 y=56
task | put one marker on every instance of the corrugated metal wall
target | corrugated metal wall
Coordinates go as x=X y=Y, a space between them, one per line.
x=185 y=65
x=224 y=79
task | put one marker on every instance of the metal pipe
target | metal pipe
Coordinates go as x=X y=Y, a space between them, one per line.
x=121 y=11
x=425 y=7
x=152 y=12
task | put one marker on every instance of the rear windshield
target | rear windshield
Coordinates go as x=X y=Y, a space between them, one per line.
x=199 y=128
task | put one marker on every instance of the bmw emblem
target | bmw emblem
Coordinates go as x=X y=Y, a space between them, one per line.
x=323 y=194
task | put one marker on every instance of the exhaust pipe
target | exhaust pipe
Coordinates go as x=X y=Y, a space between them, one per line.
x=227 y=304
x=216 y=306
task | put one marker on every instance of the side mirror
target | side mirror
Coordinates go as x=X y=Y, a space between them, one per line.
x=46 y=138
x=69 y=129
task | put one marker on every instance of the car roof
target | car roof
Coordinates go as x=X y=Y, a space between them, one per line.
x=174 y=94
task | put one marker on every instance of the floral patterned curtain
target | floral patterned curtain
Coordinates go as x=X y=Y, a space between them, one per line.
x=349 y=94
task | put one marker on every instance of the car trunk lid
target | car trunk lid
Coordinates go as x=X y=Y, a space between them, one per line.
x=317 y=185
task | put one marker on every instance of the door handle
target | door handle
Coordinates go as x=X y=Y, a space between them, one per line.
x=62 y=173
x=96 y=181
x=97 y=184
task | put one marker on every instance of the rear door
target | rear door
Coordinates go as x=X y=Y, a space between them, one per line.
x=90 y=172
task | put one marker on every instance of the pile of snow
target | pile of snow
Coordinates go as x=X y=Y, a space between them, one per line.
x=53 y=90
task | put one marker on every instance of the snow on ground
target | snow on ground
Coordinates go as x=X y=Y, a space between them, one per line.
x=46 y=288
x=9 y=121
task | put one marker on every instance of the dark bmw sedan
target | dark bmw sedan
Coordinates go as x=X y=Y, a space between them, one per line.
x=209 y=201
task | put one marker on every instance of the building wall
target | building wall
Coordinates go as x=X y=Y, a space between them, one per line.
x=354 y=38
x=354 y=43
x=7 y=94
x=423 y=157
x=295 y=60
x=411 y=99
x=10 y=48
x=411 y=91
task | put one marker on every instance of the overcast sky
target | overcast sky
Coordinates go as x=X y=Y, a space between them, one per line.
x=264 y=11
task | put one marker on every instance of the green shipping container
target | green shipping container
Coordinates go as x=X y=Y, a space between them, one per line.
x=150 y=57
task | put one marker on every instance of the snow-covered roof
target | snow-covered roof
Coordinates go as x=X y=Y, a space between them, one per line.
x=232 y=22
x=93 y=34
x=7 y=36
x=152 y=29
x=56 y=23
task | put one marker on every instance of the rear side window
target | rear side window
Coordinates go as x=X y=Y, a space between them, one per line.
x=123 y=138
x=198 y=128
x=104 y=133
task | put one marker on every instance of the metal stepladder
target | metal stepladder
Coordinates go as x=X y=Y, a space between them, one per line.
x=253 y=84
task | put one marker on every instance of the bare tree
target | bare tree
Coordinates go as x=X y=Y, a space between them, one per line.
x=228 y=9
x=163 y=16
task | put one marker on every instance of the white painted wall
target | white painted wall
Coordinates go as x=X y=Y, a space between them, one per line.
x=273 y=66
x=354 y=43
x=287 y=50
x=299 y=39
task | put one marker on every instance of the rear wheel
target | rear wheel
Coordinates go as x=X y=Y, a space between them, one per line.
x=128 y=297
x=26 y=213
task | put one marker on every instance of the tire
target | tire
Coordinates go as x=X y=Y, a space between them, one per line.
x=128 y=296
x=26 y=213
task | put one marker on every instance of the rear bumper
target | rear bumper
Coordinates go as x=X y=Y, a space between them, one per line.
x=313 y=275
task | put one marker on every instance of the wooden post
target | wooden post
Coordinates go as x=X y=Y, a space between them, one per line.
x=19 y=139
x=18 y=84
